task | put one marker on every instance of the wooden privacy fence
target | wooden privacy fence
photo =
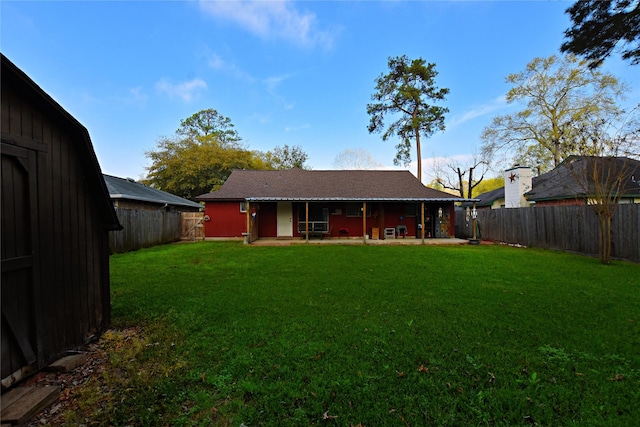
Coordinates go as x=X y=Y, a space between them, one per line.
x=566 y=228
x=144 y=228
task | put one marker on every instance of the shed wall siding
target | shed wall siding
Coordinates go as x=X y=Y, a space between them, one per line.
x=71 y=285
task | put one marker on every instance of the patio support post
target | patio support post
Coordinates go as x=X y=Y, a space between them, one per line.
x=422 y=221
x=364 y=222
x=306 y=221
x=474 y=215
x=248 y=209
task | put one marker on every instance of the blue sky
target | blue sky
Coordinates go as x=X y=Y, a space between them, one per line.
x=296 y=73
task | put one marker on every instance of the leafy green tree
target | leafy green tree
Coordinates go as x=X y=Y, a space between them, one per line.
x=199 y=157
x=187 y=167
x=404 y=93
x=599 y=26
x=436 y=185
x=563 y=97
x=488 y=184
x=209 y=123
x=286 y=157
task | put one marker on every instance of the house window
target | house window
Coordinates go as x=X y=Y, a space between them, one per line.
x=243 y=207
x=316 y=213
x=411 y=209
x=355 y=209
x=318 y=219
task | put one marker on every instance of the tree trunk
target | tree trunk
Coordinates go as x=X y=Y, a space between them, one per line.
x=460 y=182
x=604 y=220
x=419 y=153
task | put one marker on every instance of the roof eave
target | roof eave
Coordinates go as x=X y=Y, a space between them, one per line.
x=149 y=200
x=357 y=199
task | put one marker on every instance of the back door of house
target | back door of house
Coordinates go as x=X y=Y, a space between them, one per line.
x=285 y=219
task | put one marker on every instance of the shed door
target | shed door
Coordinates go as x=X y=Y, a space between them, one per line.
x=285 y=219
x=19 y=261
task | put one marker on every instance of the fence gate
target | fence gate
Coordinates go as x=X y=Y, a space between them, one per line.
x=21 y=348
x=192 y=226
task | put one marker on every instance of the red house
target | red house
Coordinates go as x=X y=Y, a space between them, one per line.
x=300 y=203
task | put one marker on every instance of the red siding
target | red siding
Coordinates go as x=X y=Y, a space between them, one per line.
x=267 y=219
x=561 y=202
x=225 y=219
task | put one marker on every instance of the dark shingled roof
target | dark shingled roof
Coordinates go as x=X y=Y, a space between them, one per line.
x=487 y=198
x=128 y=189
x=561 y=182
x=308 y=185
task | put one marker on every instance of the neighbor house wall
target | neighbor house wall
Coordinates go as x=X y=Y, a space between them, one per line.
x=560 y=202
x=517 y=181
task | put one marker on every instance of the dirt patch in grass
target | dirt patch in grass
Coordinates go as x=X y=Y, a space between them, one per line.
x=72 y=384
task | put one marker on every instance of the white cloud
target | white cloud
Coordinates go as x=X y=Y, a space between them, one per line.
x=296 y=128
x=187 y=91
x=215 y=62
x=277 y=19
x=271 y=86
x=272 y=83
x=259 y=118
x=479 y=111
x=136 y=97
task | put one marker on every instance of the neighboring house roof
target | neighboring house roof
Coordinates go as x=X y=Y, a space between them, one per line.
x=566 y=182
x=489 y=197
x=561 y=183
x=325 y=185
x=128 y=189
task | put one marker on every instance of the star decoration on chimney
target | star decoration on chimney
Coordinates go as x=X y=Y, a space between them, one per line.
x=512 y=177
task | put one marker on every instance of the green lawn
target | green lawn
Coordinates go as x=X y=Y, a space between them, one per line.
x=372 y=336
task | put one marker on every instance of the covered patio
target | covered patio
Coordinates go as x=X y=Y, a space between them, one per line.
x=373 y=220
